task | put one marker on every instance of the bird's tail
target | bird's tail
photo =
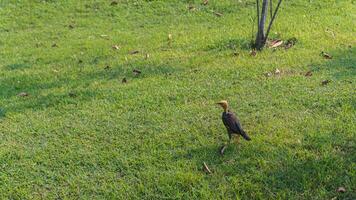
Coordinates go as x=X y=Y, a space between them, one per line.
x=244 y=135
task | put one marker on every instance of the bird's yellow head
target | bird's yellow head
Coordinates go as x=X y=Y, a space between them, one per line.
x=223 y=104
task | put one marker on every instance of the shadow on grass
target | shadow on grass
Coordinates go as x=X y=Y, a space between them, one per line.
x=234 y=153
x=341 y=66
x=2 y=113
x=279 y=170
x=230 y=44
x=77 y=89
x=305 y=176
x=17 y=66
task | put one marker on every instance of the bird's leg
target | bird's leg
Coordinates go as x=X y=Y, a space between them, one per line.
x=230 y=137
x=227 y=143
x=237 y=139
x=222 y=149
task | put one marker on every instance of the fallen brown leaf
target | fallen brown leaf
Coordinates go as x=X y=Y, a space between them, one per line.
x=341 y=189
x=205 y=2
x=253 y=52
x=136 y=72
x=325 y=82
x=115 y=47
x=134 y=52
x=191 y=7
x=23 y=94
x=331 y=32
x=206 y=168
x=275 y=43
x=326 y=55
x=287 y=46
x=290 y=42
x=309 y=73
x=218 y=14
x=268 y=74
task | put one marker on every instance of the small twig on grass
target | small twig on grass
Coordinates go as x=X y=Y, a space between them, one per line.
x=206 y=168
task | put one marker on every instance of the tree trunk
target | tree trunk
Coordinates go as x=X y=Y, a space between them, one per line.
x=260 y=38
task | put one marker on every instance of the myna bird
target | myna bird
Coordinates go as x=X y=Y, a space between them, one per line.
x=232 y=123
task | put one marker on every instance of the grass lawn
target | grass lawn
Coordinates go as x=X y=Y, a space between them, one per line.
x=71 y=129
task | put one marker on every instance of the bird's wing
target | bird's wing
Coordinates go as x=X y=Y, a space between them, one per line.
x=232 y=123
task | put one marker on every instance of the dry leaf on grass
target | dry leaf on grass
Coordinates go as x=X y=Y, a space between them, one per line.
x=191 y=7
x=115 y=47
x=23 y=94
x=136 y=72
x=268 y=74
x=275 y=43
x=253 y=52
x=325 y=82
x=326 y=55
x=290 y=43
x=205 y=2
x=218 y=14
x=206 y=168
x=341 y=189
x=134 y=52
x=287 y=46
x=309 y=73
x=277 y=71
x=331 y=32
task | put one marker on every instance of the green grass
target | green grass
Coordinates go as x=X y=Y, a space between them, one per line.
x=148 y=138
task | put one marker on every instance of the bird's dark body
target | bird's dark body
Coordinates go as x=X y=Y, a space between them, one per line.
x=233 y=125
